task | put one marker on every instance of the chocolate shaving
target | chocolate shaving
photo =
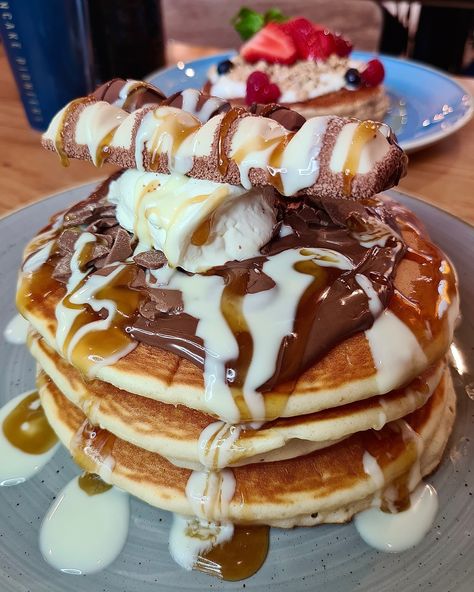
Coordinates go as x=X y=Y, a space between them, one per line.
x=121 y=249
x=288 y=118
x=139 y=96
x=153 y=259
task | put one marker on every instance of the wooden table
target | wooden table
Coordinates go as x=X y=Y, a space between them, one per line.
x=442 y=174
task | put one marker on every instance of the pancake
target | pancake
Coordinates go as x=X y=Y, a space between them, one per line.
x=325 y=486
x=177 y=432
x=410 y=335
x=362 y=103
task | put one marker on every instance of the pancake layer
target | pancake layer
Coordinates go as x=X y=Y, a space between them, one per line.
x=324 y=486
x=178 y=432
x=409 y=336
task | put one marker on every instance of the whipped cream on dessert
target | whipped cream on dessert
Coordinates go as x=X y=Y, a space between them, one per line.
x=197 y=224
x=303 y=80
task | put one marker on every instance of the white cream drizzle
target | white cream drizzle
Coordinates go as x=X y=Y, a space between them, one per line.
x=372 y=468
x=96 y=121
x=216 y=444
x=191 y=537
x=269 y=315
x=17 y=466
x=394 y=533
x=395 y=350
x=39 y=258
x=372 y=151
x=16 y=330
x=210 y=493
x=375 y=306
x=83 y=534
x=84 y=293
x=202 y=299
x=300 y=162
x=191 y=98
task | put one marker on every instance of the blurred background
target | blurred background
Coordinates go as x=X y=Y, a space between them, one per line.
x=61 y=49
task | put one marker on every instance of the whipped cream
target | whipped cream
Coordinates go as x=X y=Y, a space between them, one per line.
x=302 y=81
x=197 y=224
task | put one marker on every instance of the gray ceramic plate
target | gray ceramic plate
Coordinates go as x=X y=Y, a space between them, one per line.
x=329 y=558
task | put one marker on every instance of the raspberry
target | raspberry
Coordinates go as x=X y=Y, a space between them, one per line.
x=260 y=89
x=343 y=46
x=373 y=74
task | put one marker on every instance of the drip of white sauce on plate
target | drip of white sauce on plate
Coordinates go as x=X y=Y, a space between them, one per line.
x=82 y=533
x=192 y=537
x=16 y=330
x=17 y=466
x=394 y=533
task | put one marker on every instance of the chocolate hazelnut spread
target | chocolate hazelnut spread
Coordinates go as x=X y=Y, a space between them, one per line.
x=332 y=308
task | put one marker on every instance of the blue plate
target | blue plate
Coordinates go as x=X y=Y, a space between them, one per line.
x=426 y=105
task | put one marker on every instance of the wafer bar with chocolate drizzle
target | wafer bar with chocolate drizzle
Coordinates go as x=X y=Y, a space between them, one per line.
x=326 y=157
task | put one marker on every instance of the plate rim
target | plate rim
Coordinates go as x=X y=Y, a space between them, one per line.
x=408 y=145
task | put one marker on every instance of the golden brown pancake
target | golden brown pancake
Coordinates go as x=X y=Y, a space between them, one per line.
x=324 y=486
x=363 y=103
x=174 y=431
x=423 y=307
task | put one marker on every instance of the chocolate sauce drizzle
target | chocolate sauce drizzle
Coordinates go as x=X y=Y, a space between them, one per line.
x=332 y=308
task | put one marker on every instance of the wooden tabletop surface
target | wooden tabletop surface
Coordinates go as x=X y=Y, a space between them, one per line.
x=442 y=174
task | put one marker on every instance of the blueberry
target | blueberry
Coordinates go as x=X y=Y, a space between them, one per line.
x=224 y=67
x=352 y=77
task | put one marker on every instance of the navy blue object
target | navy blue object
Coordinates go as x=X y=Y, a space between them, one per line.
x=224 y=67
x=352 y=77
x=45 y=44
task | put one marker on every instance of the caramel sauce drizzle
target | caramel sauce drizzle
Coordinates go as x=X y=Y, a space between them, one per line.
x=364 y=132
x=434 y=282
x=58 y=141
x=102 y=151
x=170 y=126
x=259 y=144
x=239 y=558
x=201 y=235
x=93 y=346
x=92 y=484
x=138 y=89
x=92 y=447
x=399 y=502
x=224 y=128
x=27 y=428
x=232 y=310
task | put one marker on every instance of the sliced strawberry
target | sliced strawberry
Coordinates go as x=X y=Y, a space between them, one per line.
x=343 y=46
x=297 y=28
x=270 y=44
x=373 y=74
x=319 y=46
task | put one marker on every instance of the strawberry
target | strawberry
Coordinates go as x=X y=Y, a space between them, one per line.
x=270 y=44
x=343 y=46
x=373 y=74
x=298 y=28
x=260 y=89
x=319 y=45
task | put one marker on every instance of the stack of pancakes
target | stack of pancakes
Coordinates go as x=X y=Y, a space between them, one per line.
x=351 y=403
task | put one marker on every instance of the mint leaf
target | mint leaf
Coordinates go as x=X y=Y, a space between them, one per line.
x=274 y=15
x=247 y=22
